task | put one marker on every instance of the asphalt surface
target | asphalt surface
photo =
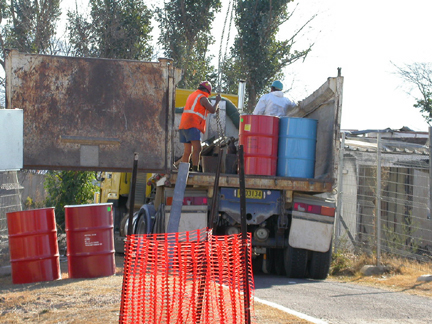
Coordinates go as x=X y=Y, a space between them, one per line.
x=341 y=303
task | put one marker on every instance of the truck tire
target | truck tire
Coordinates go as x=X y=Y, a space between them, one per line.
x=268 y=262
x=141 y=227
x=278 y=262
x=320 y=264
x=295 y=262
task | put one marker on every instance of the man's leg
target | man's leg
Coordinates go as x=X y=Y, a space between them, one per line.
x=187 y=152
x=196 y=151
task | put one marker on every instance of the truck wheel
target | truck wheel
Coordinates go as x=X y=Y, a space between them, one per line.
x=268 y=262
x=295 y=262
x=278 y=262
x=320 y=264
x=141 y=227
x=123 y=224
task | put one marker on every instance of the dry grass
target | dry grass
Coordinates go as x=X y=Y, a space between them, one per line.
x=401 y=276
x=85 y=300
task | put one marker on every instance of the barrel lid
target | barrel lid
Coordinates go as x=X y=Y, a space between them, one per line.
x=88 y=205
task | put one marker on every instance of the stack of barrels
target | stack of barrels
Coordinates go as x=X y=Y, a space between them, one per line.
x=276 y=146
x=33 y=243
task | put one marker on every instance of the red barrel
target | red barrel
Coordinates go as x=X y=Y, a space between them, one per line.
x=33 y=246
x=90 y=240
x=259 y=136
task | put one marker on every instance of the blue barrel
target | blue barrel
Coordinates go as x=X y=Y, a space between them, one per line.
x=296 y=150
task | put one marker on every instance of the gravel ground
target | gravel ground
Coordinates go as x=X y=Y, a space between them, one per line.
x=85 y=300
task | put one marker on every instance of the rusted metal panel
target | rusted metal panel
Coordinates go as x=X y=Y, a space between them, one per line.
x=255 y=182
x=93 y=114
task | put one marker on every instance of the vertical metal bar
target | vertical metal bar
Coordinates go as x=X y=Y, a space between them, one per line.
x=244 y=233
x=339 y=192
x=430 y=174
x=215 y=202
x=132 y=194
x=378 y=201
x=241 y=95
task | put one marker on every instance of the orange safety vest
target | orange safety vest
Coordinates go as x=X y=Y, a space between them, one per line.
x=194 y=114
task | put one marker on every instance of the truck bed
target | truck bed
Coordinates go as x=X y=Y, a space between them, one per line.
x=254 y=182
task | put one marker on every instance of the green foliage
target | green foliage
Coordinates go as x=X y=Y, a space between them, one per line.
x=186 y=28
x=33 y=204
x=258 y=56
x=68 y=188
x=115 y=29
x=425 y=106
x=400 y=240
x=341 y=263
x=419 y=77
x=30 y=25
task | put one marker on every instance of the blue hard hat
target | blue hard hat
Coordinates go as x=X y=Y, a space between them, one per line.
x=277 y=84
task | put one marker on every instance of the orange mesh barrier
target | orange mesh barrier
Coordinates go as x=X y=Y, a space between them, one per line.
x=189 y=277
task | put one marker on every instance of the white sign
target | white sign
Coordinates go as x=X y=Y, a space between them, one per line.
x=11 y=139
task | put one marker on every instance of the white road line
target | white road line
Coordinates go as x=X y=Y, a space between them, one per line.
x=290 y=311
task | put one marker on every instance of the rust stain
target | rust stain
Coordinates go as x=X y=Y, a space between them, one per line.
x=95 y=98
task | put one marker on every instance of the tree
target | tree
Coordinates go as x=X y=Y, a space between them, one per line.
x=68 y=188
x=186 y=29
x=29 y=26
x=115 y=29
x=257 y=56
x=419 y=75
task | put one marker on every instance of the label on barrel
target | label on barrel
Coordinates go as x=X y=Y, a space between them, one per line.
x=247 y=127
x=89 y=242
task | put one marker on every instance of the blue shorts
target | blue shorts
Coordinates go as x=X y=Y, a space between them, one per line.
x=188 y=135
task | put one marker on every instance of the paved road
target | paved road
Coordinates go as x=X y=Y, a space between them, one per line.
x=342 y=303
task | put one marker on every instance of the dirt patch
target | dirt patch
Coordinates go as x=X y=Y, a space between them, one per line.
x=406 y=282
x=85 y=300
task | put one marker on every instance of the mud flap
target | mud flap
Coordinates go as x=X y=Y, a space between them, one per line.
x=311 y=232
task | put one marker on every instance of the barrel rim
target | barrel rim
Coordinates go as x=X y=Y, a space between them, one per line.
x=88 y=205
x=30 y=210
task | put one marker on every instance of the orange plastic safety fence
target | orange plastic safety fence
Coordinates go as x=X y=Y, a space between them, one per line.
x=189 y=277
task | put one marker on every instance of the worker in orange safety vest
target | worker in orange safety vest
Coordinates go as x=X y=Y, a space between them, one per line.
x=193 y=122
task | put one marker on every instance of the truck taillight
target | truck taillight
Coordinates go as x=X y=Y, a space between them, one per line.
x=328 y=211
x=315 y=209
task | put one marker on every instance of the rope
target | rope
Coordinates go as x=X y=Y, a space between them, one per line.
x=229 y=13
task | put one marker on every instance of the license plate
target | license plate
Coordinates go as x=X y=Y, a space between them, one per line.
x=252 y=194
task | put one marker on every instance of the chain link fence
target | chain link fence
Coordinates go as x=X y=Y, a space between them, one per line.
x=384 y=197
x=10 y=200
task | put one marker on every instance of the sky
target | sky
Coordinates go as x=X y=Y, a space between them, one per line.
x=366 y=39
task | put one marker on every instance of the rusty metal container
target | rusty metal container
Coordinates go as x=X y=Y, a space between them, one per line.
x=93 y=114
x=90 y=240
x=33 y=245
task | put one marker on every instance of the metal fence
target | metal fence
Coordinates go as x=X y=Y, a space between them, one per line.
x=384 y=195
x=10 y=200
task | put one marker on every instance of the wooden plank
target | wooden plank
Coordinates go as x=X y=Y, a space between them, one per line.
x=256 y=182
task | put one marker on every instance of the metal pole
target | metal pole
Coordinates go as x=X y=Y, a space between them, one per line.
x=430 y=173
x=241 y=95
x=244 y=234
x=214 y=212
x=132 y=194
x=378 y=201
x=339 y=192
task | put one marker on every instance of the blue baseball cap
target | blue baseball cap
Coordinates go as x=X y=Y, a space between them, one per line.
x=277 y=84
